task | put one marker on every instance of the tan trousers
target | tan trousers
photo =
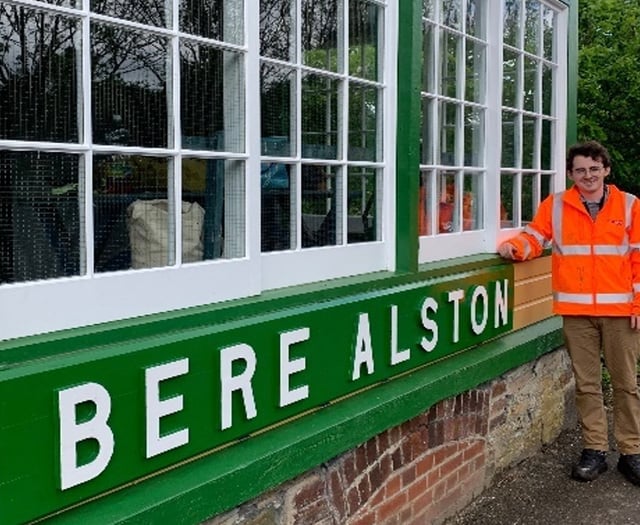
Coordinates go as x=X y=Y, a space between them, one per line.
x=585 y=338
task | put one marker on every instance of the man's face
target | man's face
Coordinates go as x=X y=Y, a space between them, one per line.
x=588 y=175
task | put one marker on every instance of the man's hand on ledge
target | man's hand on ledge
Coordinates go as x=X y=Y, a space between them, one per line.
x=507 y=250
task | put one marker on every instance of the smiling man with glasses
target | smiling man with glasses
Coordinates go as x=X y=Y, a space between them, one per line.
x=594 y=230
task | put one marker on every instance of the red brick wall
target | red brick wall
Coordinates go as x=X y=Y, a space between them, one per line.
x=425 y=469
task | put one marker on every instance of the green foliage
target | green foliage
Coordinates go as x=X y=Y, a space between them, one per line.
x=609 y=84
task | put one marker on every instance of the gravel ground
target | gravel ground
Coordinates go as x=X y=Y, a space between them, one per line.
x=539 y=491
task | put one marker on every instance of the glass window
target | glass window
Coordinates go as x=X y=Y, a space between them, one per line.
x=129 y=87
x=320 y=120
x=322 y=100
x=479 y=174
x=41 y=216
x=529 y=123
x=277 y=29
x=39 y=97
x=212 y=19
x=176 y=160
x=211 y=98
x=454 y=109
x=364 y=39
x=320 y=35
x=149 y=13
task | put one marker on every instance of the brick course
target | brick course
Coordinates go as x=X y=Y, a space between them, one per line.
x=430 y=467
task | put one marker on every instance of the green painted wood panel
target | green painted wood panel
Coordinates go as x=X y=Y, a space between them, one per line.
x=344 y=345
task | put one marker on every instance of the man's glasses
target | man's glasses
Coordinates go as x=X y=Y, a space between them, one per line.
x=593 y=170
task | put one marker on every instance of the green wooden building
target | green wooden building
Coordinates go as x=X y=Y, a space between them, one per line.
x=241 y=238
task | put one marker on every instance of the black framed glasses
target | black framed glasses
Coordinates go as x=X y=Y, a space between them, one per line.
x=593 y=170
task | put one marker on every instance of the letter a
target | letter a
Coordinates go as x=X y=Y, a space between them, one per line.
x=363 y=352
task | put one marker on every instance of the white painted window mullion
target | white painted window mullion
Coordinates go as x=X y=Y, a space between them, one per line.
x=493 y=120
x=344 y=193
x=252 y=134
x=85 y=186
x=175 y=135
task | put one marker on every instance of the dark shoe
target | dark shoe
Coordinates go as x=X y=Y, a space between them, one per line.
x=592 y=463
x=629 y=465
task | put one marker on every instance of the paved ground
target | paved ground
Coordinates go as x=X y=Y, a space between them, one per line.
x=539 y=491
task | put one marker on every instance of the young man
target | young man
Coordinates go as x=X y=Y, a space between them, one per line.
x=594 y=230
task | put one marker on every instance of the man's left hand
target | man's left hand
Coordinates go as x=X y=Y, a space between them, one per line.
x=635 y=323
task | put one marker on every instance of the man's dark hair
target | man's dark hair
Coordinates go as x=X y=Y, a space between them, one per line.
x=591 y=149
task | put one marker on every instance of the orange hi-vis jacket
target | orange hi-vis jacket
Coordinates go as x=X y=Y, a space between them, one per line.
x=595 y=263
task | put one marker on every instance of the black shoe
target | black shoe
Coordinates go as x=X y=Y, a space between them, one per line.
x=629 y=465
x=592 y=463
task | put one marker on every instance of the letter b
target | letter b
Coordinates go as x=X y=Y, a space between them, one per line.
x=72 y=433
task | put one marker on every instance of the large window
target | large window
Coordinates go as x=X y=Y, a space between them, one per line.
x=139 y=142
x=324 y=100
x=530 y=108
x=492 y=139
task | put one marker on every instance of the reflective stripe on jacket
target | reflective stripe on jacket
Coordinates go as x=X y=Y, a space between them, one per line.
x=595 y=263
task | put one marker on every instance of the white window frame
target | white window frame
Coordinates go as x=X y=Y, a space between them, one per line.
x=37 y=307
x=457 y=244
x=294 y=267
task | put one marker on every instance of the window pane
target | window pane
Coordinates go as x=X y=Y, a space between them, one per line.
x=511 y=9
x=277 y=29
x=508 y=200
x=510 y=79
x=472 y=197
x=41 y=216
x=133 y=217
x=510 y=133
x=449 y=54
x=532 y=27
x=319 y=117
x=212 y=98
x=363 y=39
x=427 y=142
x=475 y=69
x=529 y=151
x=277 y=91
x=451 y=13
x=363 y=123
x=548 y=28
x=65 y=3
x=530 y=85
x=427 y=8
x=129 y=92
x=547 y=90
x=473 y=136
x=529 y=197
x=278 y=228
x=447 y=133
x=363 y=222
x=476 y=18
x=546 y=186
x=39 y=80
x=234 y=232
x=428 y=60
x=319 y=205
x=218 y=19
x=546 y=151
x=448 y=205
x=207 y=192
x=149 y=13
x=320 y=34
x=425 y=204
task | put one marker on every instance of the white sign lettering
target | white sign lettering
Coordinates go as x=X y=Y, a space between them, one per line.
x=288 y=368
x=157 y=408
x=72 y=433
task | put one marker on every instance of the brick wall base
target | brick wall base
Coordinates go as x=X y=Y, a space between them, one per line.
x=430 y=467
